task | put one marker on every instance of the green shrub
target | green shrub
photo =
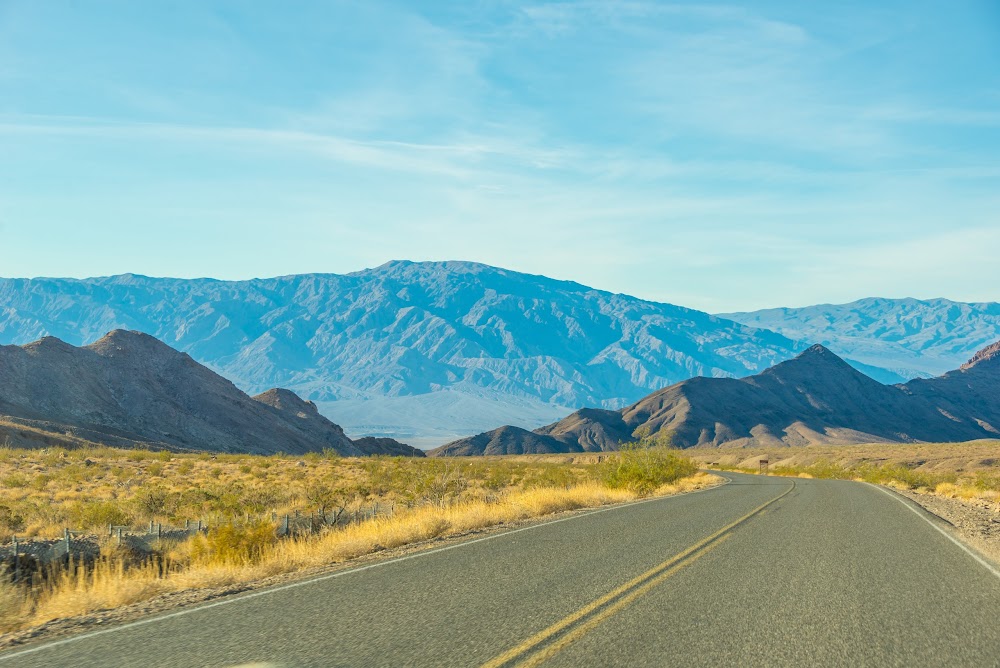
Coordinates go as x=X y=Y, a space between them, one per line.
x=15 y=480
x=11 y=519
x=94 y=514
x=987 y=481
x=642 y=470
x=549 y=476
x=150 y=501
x=233 y=544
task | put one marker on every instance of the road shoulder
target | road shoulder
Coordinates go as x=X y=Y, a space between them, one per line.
x=975 y=523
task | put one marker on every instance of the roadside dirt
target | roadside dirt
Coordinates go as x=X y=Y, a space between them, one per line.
x=974 y=521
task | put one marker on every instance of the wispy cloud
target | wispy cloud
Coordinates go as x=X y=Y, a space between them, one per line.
x=720 y=156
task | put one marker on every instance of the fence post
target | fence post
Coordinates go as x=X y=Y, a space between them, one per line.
x=284 y=526
x=159 y=530
x=66 y=538
x=187 y=525
x=17 y=559
x=119 y=535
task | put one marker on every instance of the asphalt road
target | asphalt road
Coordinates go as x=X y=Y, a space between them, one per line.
x=759 y=572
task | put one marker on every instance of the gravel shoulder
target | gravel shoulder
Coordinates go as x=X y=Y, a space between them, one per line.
x=974 y=521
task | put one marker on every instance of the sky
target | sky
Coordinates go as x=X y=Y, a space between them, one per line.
x=719 y=156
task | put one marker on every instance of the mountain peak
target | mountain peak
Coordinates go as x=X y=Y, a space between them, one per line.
x=126 y=340
x=989 y=355
x=47 y=343
x=817 y=351
x=126 y=335
x=816 y=359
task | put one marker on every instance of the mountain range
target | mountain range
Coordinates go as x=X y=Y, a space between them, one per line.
x=815 y=398
x=130 y=390
x=443 y=348
x=427 y=352
x=900 y=338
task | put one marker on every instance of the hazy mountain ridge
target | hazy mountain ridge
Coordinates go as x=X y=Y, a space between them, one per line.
x=910 y=337
x=815 y=398
x=404 y=329
x=129 y=389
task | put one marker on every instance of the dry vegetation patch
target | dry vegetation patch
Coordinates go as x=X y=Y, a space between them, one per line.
x=241 y=497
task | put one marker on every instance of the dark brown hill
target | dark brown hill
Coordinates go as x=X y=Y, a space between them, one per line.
x=131 y=389
x=970 y=395
x=387 y=447
x=591 y=429
x=504 y=441
x=812 y=399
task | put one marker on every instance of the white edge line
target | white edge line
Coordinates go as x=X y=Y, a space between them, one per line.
x=985 y=564
x=330 y=576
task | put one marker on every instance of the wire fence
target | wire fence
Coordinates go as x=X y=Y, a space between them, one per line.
x=23 y=557
x=299 y=523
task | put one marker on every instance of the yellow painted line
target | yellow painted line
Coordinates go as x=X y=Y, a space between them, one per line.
x=640 y=585
x=550 y=650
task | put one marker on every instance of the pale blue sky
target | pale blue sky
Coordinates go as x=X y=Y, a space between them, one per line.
x=722 y=157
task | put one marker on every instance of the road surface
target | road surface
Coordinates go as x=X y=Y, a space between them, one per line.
x=762 y=571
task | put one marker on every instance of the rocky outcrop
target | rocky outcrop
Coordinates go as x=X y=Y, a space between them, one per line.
x=988 y=356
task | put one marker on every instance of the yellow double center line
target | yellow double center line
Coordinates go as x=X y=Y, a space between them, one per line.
x=548 y=642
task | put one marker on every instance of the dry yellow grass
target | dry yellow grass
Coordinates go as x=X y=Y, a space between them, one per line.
x=461 y=497
x=967 y=492
x=43 y=492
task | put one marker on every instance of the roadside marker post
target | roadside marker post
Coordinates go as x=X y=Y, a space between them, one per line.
x=763 y=465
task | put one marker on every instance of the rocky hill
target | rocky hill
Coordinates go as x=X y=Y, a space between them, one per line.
x=816 y=398
x=406 y=341
x=129 y=389
x=910 y=337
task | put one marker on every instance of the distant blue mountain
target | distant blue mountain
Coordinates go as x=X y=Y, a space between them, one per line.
x=910 y=338
x=390 y=341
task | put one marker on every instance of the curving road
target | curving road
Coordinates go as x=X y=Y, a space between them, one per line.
x=759 y=572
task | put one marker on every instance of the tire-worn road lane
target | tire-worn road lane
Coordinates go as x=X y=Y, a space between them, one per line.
x=831 y=573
